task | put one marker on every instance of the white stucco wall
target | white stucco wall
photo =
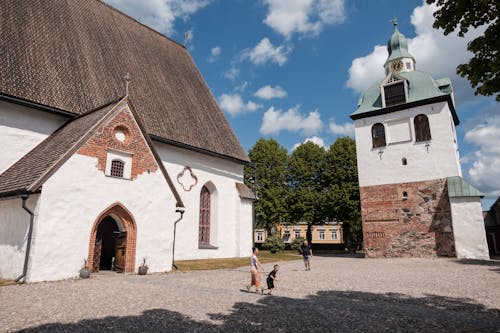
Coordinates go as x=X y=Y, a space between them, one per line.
x=73 y=198
x=246 y=218
x=21 y=129
x=440 y=161
x=230 y=219
x=468 y=228
x=14 y=226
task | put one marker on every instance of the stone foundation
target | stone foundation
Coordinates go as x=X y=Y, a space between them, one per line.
x=407 y=220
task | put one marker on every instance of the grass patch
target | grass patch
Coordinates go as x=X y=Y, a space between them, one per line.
x=206 y=264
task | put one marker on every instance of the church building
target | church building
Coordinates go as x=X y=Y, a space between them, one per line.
x=114 y=151
x=414 y=201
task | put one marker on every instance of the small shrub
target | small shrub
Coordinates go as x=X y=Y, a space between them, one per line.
x=296 y=243
x=274 y=244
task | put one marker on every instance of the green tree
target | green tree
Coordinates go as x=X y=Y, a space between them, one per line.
x=483 y=68
x=340 y=180
x=266 y=176
x=306 y=197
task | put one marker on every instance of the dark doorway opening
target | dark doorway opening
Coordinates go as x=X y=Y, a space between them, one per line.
x=105 y=245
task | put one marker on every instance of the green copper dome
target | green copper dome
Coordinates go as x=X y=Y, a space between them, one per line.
x=397 y=46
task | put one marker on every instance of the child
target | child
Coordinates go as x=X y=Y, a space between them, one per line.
x=271 y=278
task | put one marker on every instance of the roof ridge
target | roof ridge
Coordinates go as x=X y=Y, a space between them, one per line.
x=137 y=21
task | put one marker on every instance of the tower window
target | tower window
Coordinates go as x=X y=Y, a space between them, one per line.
x=395 y=94
x=422 y=128
x=378 y=135
x=117 y=167
x=405 y=195
x=408 y=65
x=404 y=161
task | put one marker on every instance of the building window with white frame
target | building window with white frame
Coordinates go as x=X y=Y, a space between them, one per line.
x=335 y=235
x=117 y=167
x=321 y=234
x=260 y=236
x=297 y=233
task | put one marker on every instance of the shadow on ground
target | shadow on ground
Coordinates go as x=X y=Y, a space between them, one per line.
x=327 y=311
x=494 y=264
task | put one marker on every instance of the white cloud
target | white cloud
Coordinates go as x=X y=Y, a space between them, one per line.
x=242 y=87
x=159 y=14
x=215 y=53
x=265 y=52
x=485 y=169
x=234 y=104
x=232 y=73
x=315 y=139
x=292 y=120
x=268 y=92
x=433 y=52
x=305 y=17
x=341 y=129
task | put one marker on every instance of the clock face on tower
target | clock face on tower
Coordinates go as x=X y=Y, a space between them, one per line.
x=397 y=66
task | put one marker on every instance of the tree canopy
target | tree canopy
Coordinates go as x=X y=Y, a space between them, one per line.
x=311 y=184
x=266 y=176
x=483 y=69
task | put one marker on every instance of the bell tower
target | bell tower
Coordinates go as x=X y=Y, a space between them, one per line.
x=399 y=59
x=412 y=193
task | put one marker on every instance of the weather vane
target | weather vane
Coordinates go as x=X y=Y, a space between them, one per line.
x=127 y=82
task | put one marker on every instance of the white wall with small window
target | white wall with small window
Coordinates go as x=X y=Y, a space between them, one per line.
x=437 y=158
x=118 y=163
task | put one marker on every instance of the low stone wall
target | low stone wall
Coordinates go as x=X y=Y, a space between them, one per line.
x=407 y=220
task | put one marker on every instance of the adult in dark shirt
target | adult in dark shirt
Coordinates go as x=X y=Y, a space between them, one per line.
x=307 y=253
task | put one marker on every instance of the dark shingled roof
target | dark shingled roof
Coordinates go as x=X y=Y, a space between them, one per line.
x=245 y=192
x=73 y=55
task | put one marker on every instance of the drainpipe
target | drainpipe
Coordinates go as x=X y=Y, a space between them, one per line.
x=24 y=197
x=180 y=211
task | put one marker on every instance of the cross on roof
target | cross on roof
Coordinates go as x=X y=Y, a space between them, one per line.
x=127 y=82
x=394 y=21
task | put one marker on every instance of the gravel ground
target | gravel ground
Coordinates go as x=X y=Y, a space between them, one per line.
x=340 y=294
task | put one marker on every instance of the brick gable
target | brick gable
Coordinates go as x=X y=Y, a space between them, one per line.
x=134 y=144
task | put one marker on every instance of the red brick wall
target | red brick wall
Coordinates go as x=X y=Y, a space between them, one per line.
x=419 y=226
x=104 y=139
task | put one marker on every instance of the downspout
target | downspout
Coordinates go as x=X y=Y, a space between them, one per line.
x=180 y=211
x=24 y=197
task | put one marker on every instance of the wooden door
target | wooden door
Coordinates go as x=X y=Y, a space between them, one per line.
x=96 y=262
x=121 y=251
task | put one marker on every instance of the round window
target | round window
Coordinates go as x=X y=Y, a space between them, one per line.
x=120 y=135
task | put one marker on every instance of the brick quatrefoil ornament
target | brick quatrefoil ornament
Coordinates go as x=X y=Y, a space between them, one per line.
x=187 y=179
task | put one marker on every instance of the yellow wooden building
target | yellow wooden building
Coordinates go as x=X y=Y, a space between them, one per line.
x=327 y=233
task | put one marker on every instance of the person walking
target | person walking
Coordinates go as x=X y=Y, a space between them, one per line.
x=307 y=254
x=254 y=270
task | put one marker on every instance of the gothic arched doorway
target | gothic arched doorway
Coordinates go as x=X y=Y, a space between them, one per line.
x=112 y=241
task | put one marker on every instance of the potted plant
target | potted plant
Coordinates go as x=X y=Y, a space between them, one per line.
x=85 y=271
x=143 y=269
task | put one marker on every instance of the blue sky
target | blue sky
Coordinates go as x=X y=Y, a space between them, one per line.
x=295 y=69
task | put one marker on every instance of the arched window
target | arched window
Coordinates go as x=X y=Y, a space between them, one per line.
x=204 y=235
x=422 y=128
x=378 y=135
x=117 y=167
